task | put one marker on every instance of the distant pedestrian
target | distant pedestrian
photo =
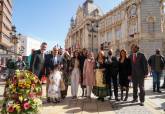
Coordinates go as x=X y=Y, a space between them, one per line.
x=75 y=74
x=20 y=64
x=139 y=72
x=10 y=64
x=156 y=62
x=124 y=73
x=88 y=74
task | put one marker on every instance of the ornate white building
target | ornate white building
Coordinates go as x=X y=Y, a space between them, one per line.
x=83 y=31
x=134 y=22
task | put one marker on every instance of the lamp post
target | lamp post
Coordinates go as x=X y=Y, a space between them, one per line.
x=14 y=39
x=92 y=28
x=21 y=46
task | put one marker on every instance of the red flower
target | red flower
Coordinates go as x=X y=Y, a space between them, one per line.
x=33 y=85
x=14 y=82
x=26 y=105
x=31 y=95
x=10 y=109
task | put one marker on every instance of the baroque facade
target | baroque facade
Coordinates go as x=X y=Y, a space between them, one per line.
x=83 y=31
x=138 y=22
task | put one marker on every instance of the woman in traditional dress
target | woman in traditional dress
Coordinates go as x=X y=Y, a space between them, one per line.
x=75 y=74
x=124 y=73
x=88 y=74
x=100 y=88
x=54 y=91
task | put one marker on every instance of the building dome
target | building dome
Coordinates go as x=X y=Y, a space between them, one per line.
x=90 y=8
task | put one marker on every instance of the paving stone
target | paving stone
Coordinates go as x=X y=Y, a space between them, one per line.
x=155 y=103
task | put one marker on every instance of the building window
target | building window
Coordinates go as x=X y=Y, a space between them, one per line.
x=151 y=21
x=151 y=27
x=163 y=7
x=109 y=36
x=133 y=28
x=118 y=33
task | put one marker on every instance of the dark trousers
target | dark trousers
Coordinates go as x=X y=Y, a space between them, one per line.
x=138 y=82
x=113 y=80
x=156 y=80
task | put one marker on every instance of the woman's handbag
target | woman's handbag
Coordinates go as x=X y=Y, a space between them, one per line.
x=44 y=79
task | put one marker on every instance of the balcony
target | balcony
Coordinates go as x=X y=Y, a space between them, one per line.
x=5 y=40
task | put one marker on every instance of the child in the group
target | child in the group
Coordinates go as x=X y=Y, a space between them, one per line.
x=54 y=91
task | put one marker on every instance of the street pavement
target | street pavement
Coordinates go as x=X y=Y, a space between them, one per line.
x=154 y=104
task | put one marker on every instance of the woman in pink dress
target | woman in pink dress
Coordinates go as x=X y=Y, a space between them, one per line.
x=88 y=73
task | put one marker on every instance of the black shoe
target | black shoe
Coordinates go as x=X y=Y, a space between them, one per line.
x=63 y=97
x=54 y=101
x=125 y=99
x=141 y=103
x=110 y=98
x=163 y=87
x=117 y=99
x=134 y=100
x=58 y=101
x=159 y=91
x=74 y=97
x=48 y=100
x=98 y=98
x=102 y=99
x=82 y=94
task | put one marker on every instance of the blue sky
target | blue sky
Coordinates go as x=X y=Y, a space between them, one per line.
x=49 y=20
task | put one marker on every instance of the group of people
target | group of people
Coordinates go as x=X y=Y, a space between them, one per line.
x=96 y=74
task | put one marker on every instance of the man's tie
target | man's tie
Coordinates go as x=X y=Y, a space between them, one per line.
x=134 y=58
x=43 y=55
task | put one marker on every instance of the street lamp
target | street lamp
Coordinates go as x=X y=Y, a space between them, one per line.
x=14 y=38
x=92 y=28
x=21 y=46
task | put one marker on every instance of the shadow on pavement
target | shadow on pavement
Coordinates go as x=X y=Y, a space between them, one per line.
x=83 y=105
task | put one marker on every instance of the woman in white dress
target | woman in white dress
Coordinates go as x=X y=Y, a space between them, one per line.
x=75 y=74
x=54 y=91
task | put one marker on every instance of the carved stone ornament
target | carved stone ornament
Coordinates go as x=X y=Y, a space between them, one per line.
x=151 y=19
x=132 y=11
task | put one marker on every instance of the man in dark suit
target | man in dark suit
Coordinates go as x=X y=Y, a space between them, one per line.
x=139 y=71
x=52 y=59
x=38 y=61
x=112 y=69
